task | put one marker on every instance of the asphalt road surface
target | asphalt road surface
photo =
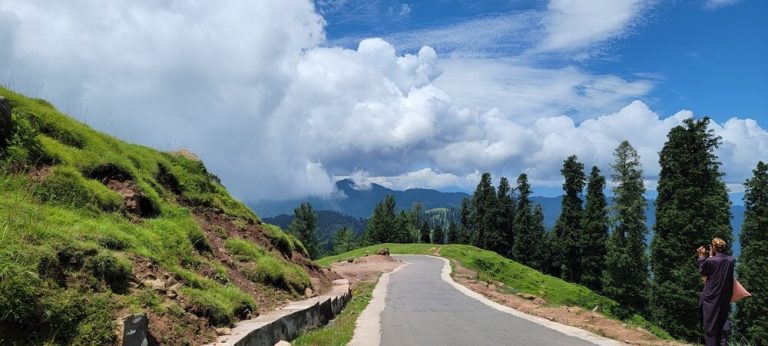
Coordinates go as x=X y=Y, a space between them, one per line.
x=422 y=309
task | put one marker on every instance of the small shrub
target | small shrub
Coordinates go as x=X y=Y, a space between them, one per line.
x=114 y=272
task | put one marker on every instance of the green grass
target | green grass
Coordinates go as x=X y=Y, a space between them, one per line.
x=68 y=247
x=516 y=277
x=343 y=327
x=258 y=266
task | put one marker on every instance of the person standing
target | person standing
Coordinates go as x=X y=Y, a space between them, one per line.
x=715 y=299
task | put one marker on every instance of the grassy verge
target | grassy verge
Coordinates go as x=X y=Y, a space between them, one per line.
x=343 y=327
x=402 y=249
x=516 y=277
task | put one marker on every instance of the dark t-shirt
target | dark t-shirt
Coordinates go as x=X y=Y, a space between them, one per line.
x=715 y=300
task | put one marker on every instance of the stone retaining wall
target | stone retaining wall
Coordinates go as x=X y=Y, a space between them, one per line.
x=287 y=322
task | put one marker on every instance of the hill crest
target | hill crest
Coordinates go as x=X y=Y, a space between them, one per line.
x=96 y=228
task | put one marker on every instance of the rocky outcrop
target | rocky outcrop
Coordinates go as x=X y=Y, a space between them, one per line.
x=5 y=122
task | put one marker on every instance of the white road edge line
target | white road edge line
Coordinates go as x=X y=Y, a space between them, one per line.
x=567 y=330
x=368 y=325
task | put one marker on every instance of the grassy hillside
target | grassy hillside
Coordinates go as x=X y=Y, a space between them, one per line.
x=516 y=277
x=93 y=228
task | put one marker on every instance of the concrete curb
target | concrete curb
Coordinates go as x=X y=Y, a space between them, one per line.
x=288 y=321
x=567 y=330
x=368 y=326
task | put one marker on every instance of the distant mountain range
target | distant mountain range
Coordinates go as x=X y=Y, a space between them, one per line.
x=360 y=202
x=356 y=202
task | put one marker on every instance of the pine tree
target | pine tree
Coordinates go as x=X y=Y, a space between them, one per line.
x=424 y=233
x=343 y=241
x=381 y=226
x=402 y=230
x=501 y=234
x=568 y=228
x=692 y=207
x=552 y=254
x=485 y=209
x=595 y=232
x=303 y=227
x=438 y=237
x=416 y=215
x=752 y=313
x=626 y=265
x=453 y=233
x=465 y=232
x=528 y=243
x=539 y=233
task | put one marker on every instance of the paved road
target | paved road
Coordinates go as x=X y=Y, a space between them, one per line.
x=422 y=309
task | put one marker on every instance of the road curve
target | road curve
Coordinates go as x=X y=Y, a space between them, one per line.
x=422 y=309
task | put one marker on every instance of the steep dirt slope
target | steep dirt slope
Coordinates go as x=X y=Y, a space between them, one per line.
x=93 y=228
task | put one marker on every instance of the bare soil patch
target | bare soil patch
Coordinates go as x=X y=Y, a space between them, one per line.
x=218 y=227
x=592 y=321
x=366 y=268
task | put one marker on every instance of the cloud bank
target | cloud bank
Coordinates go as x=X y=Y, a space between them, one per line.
x=277 y=112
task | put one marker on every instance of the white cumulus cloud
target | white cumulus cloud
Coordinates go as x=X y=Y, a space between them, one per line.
x=273 y=109
x=573 y=24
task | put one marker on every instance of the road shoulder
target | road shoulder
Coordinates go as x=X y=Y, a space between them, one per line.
x=564 y=329
x=368 y=326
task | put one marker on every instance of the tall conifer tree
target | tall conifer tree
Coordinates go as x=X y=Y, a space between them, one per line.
x=402 y=231
x=424 y=236
x=466 y=229
x=485 y=211
x=416 y=214
x=595 y=232
x=343 y=241
x=692 y=207
x=626 y=266
x=438 y=236
x=303 y=227
x=453 y=233
x=382 y=225
x=529 y=241
x=501 y=238
x=568 y=228
x=752 y=313
x=538 y=254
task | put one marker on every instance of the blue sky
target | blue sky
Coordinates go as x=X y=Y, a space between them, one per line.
x=712 y=59
x=281 y=98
